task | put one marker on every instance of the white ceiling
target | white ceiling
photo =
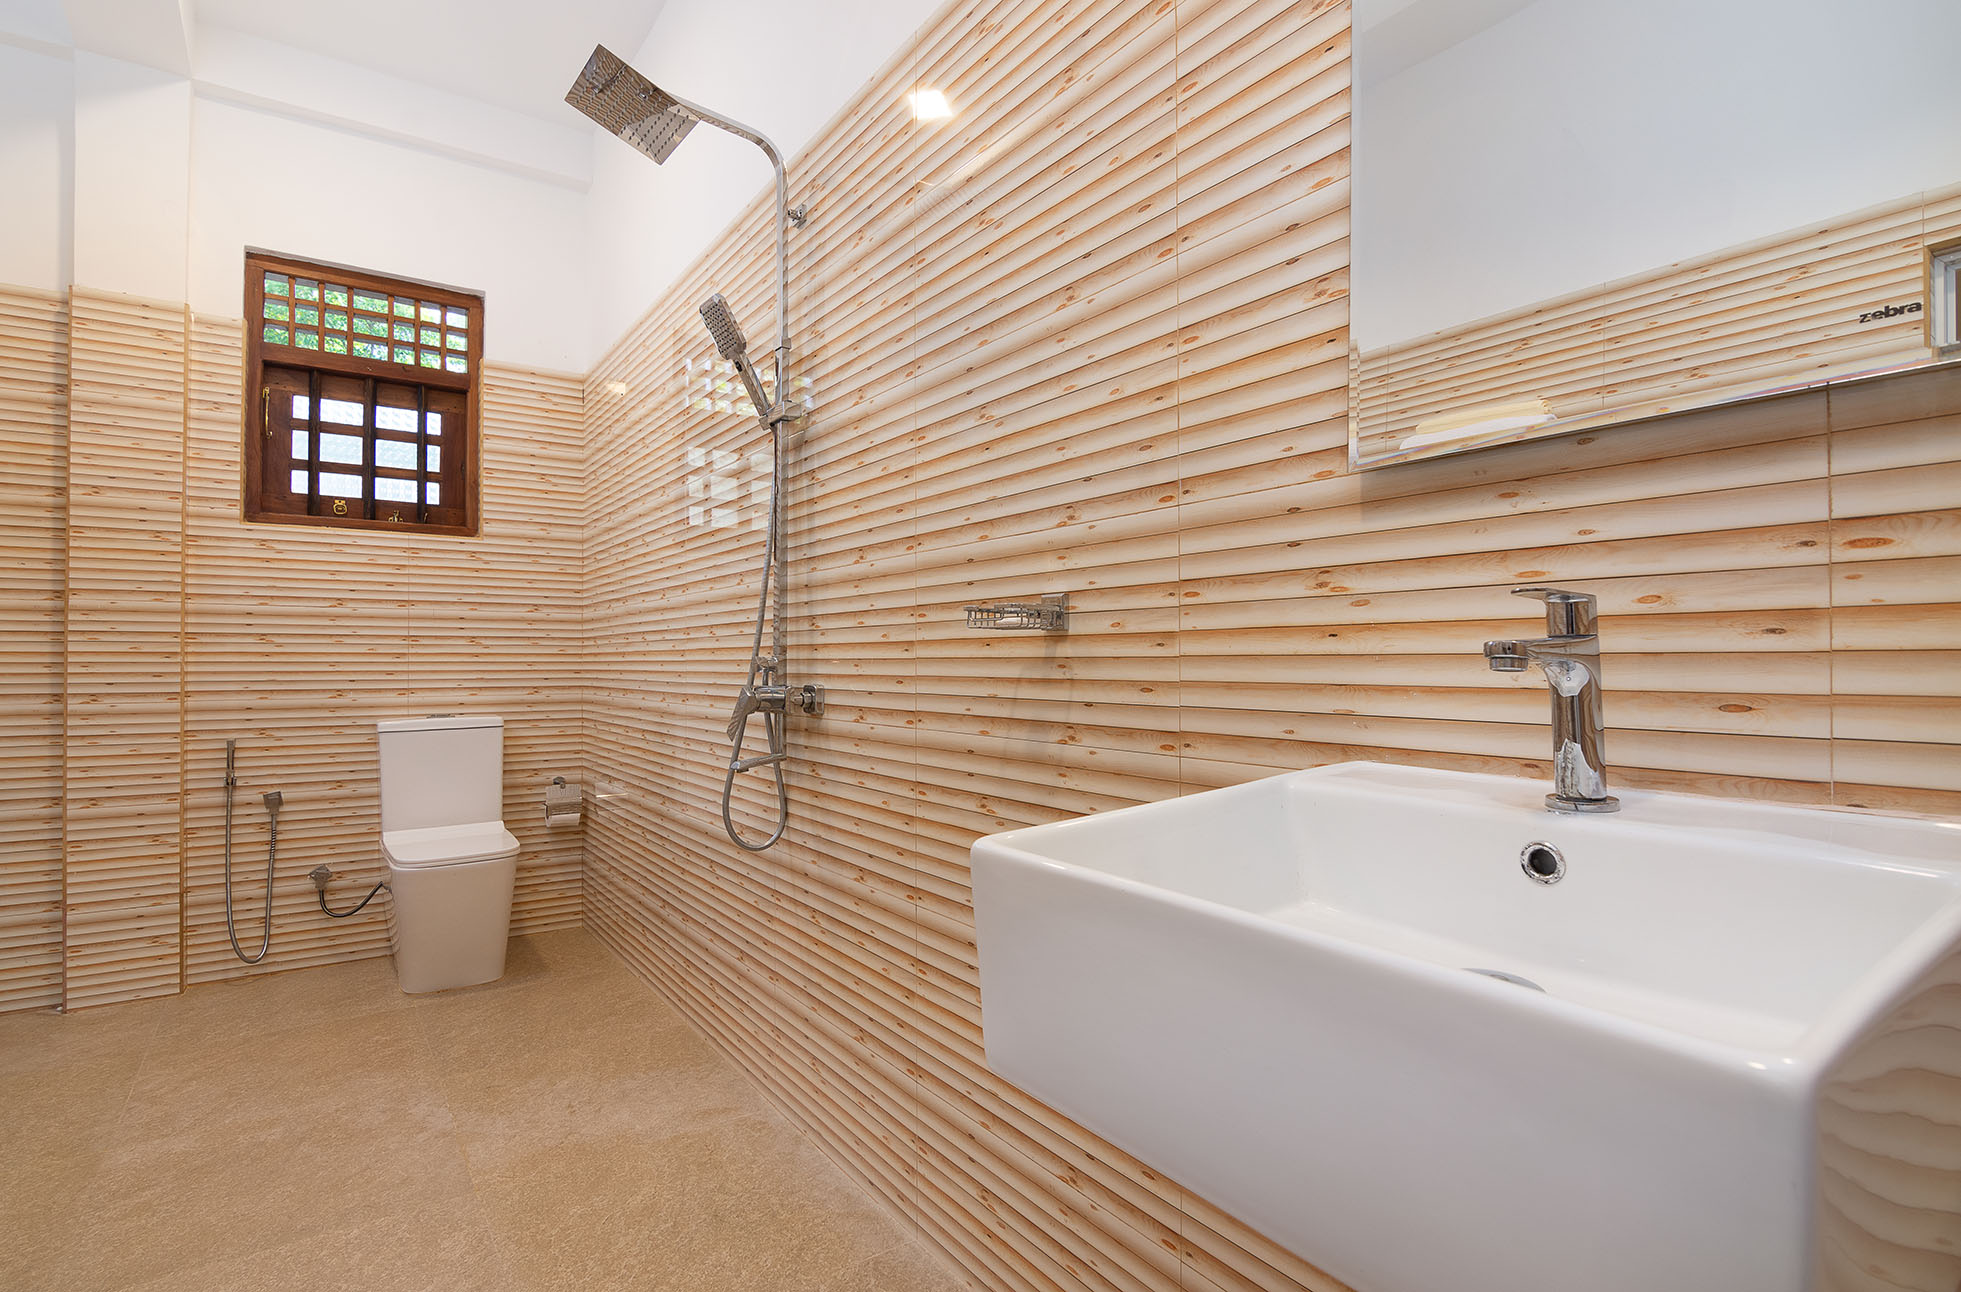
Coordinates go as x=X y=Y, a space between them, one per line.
x=514 y=53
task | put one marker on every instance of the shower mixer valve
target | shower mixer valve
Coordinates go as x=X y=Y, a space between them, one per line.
x=806 y=699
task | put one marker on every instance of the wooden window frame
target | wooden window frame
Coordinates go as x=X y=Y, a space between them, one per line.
x=261 y=355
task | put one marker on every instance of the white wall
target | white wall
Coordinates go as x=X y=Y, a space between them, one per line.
x=266 y=180
x=140 y=179
x=1538 y=157
x=132 y=175
x=37 y=138
x=785 y=69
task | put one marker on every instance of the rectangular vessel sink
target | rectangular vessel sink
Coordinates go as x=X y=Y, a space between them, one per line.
x=1720 y=1052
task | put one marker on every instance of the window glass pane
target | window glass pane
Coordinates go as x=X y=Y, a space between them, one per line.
x=431 y=336
x=335 y=344
x=457 y=341
x=344 y=449
x=395 y=491
x=299 y=481
x=458 y=318
x=307 y=314
x=305 y=289
x=337 y=319
x=394 y=419
x=435 y=421
x=307 y=340
x=435 y=458
x=300 y=404
x=404 y=354
x=432 y=493
x=457 y=363
x=277 y=310
x=371 y=350
x=335 y=295
x=366 y=326
x=275 y=333
x=432 y=313
x=343 y=412
x=404 y=309
x=370 y=302
x=275 y=284
x=404 y=332
x=299 y=444
x=396 y=454
x=431 y=359
x=335 y=485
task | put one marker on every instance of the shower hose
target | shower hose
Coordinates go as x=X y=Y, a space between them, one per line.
x=762 y=671
x=272 y=852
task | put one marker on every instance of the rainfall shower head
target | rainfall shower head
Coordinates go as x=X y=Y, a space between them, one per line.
x=630 y=106
x=729 y=340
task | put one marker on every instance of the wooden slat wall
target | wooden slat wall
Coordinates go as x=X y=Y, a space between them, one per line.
x=33 y=557
x=299 y=640
x=183 y=627
x=1090 y=336
x=1896 y=593
x=124 y=683
x=1777 y=312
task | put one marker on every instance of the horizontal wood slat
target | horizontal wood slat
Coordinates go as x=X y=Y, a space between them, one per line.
x=124 y=649
x=33 y=562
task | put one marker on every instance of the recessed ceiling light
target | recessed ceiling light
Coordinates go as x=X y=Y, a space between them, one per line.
x=930 y=105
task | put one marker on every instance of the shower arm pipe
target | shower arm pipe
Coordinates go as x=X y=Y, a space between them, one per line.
x=761 y=141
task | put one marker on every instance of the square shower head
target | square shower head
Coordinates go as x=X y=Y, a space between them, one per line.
x=629 y=105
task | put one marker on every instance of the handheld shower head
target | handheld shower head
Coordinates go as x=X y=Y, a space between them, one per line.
x=273 y=799
x=729 y=341
x=733 y=346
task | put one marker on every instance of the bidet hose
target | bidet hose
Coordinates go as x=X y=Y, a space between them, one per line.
x=341 y=915
x=272 y=853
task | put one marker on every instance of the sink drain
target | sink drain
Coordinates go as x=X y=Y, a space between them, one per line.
x=1543 y=862
x=1502 y=976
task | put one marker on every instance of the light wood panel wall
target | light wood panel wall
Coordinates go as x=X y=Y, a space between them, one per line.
x=1798 y=307
x=183 y=627
x=298 y=640
x=1091 y=337
x=124 y=678
x=33 y=557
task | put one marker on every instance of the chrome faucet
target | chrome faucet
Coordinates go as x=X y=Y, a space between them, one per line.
x=1569 y=655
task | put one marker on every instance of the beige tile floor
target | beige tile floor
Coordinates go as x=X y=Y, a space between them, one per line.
x=561 y=1128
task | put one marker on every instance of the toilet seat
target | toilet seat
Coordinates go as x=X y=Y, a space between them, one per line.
x=448 y=845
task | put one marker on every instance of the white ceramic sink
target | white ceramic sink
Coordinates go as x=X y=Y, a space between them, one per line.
x=1743 y=1073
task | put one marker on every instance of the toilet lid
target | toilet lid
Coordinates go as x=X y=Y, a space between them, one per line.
x=448 y=845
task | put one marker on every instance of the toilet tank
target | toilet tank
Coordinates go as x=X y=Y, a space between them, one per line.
x=441 y=771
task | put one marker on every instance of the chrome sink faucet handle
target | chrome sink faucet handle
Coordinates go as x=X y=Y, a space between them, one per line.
x=1569 y=656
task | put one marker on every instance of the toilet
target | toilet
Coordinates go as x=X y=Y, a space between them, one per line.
x=451 y=863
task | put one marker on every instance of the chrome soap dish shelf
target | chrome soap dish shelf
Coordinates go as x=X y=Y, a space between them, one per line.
x=1049 y=615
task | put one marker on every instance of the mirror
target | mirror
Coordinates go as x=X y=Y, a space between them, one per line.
x=1571 y=213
